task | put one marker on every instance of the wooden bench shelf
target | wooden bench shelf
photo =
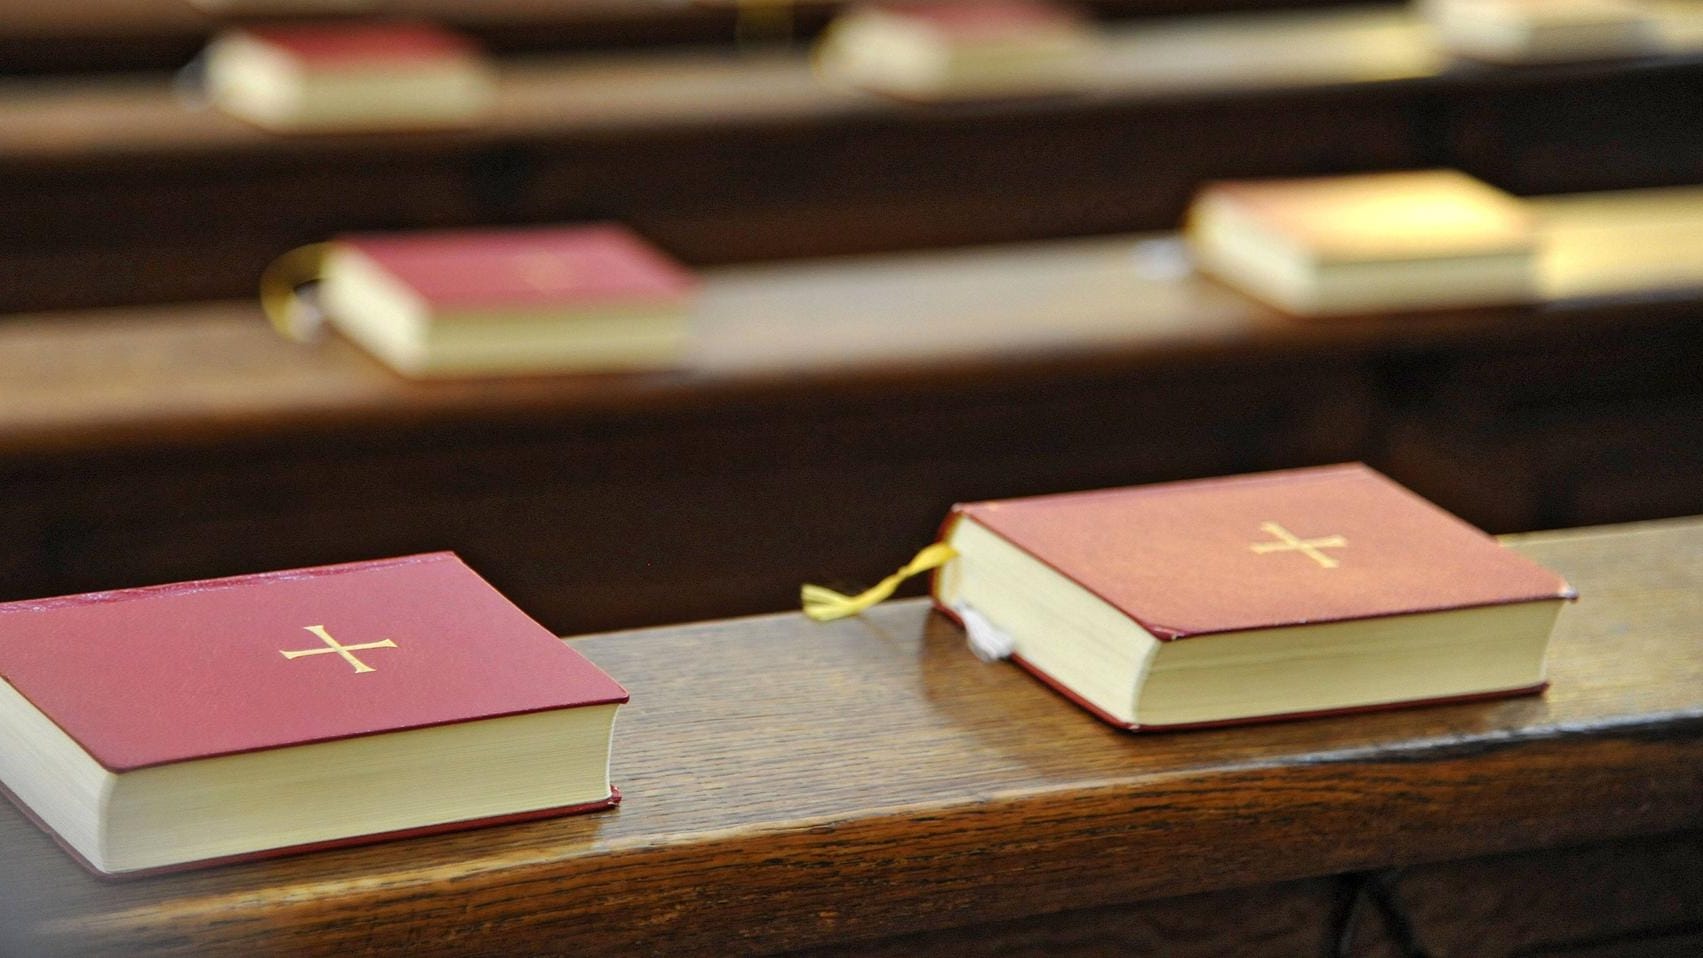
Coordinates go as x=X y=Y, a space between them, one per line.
x=869 y=787
x=121 y=194
x=830 y=414
x=44 y=37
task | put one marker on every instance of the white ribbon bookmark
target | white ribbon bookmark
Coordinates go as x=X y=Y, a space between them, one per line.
x=988 y=641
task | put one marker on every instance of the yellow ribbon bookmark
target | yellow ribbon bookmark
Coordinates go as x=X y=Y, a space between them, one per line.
x=825 y=605
x=291 y=317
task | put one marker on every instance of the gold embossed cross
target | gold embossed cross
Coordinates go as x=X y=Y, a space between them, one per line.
x=1290 y=542
x=332 y=645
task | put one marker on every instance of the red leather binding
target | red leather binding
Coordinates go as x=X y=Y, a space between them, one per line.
x=376 y=45
x=148 y=676
x=1178 y=558
x=601 y=264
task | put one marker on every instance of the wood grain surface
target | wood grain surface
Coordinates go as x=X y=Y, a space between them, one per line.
x=793 y=785
x=1286 y=919
x=1590 y=899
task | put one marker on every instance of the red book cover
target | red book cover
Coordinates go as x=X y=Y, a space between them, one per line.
x=343 y=44
x=600 y=264
x=148 y=676
x=180 y=680
x=1244 y=552
x=1251 y=556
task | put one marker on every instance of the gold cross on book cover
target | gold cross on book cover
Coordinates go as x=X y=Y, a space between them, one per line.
x=193 y=723
x=346 y=651
x=1289 y=542
x=1186 y=604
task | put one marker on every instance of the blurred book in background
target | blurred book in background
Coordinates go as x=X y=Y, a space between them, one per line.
x=354 y=76
x=952 y=50
x=493 y=302
x=1366 y=243
x=1542 y=31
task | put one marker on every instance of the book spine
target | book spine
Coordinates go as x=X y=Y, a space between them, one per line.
x=947 y=525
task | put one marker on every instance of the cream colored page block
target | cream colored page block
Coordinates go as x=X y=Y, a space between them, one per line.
x=1348 y=664
x=236 y=804
x=1096 y=651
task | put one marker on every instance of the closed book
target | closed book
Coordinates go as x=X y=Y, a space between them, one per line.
x=349 y=76
x=506 y=301
x=954 y=50
x=1366 y=243
x=158 y=728
x=1542 y=31
x=1250 y=598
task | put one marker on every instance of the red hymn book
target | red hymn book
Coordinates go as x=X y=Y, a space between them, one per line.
x=1249 y=598
x=593 y=297
x=160 y=727
x=349 y=76
x=593 y=264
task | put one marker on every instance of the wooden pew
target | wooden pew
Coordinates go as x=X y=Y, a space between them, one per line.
x=831 y=412
x=801 y=437
x=44 y=37
x=120 y=194
x=867 y=787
